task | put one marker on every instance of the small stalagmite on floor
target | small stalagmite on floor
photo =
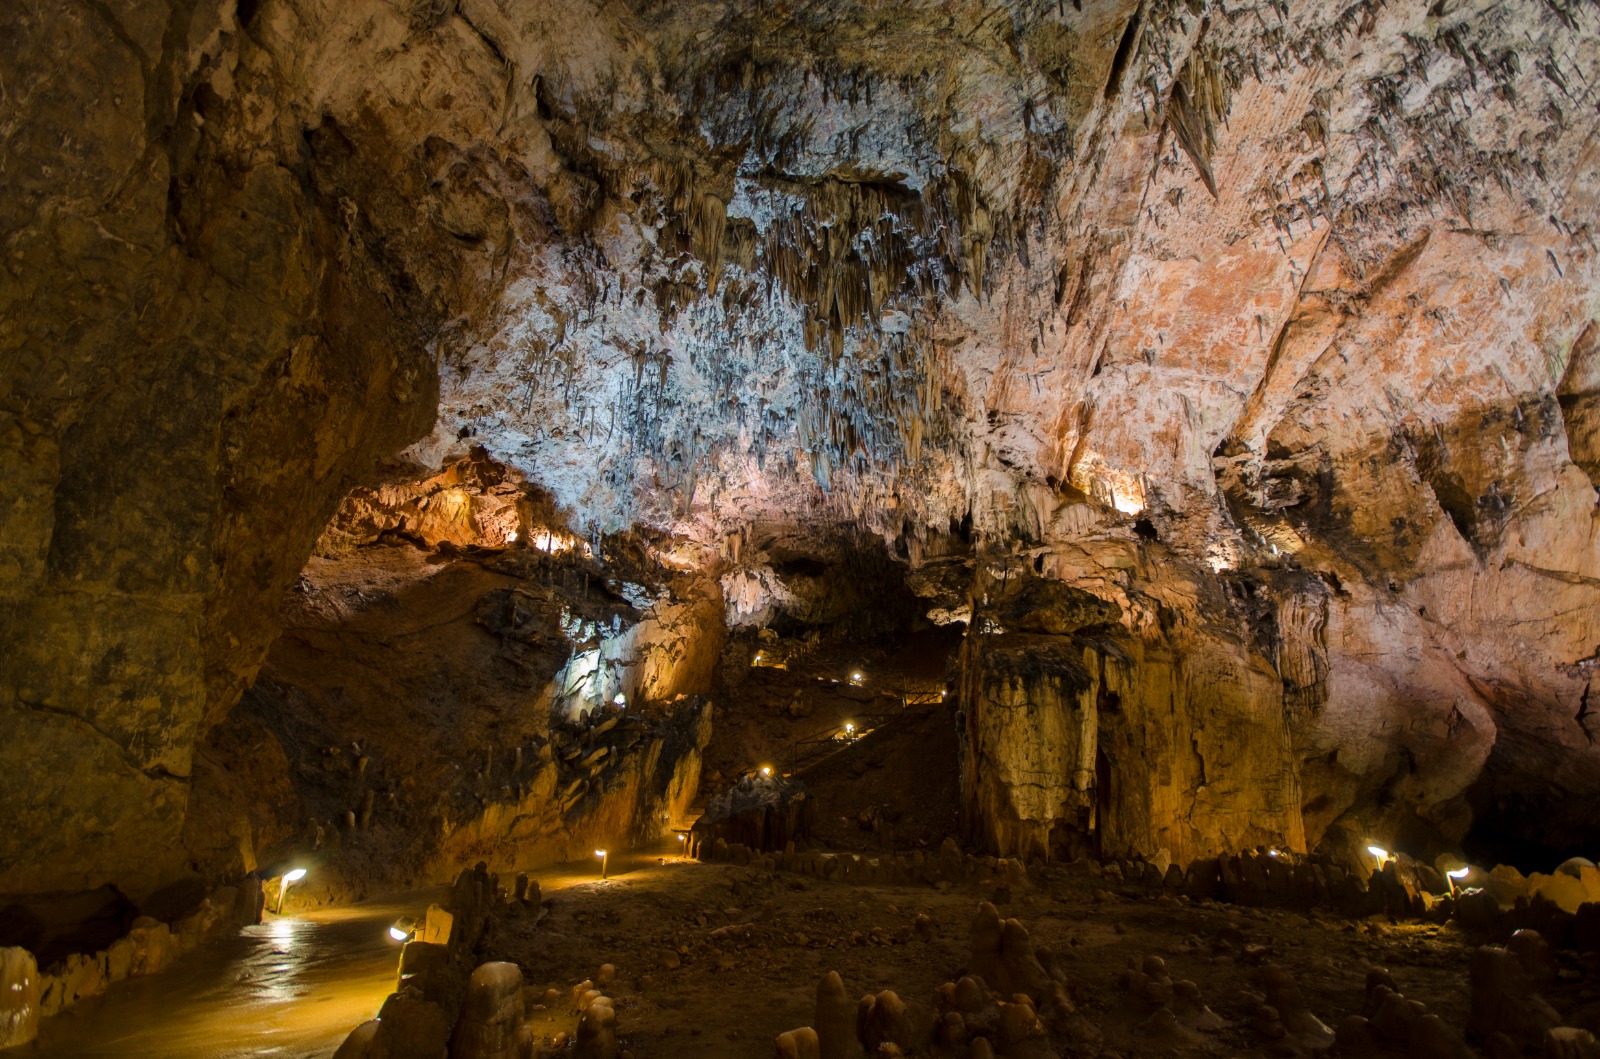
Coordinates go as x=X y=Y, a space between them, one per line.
x=492 y=1023
x=597 y=1030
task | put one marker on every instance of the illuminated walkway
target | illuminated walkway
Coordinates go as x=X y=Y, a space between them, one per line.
x=291 y=988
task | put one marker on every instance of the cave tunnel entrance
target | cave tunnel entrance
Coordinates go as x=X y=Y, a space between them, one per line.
x=833 y=675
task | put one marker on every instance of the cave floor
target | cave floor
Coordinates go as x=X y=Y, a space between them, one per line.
x=713 y=960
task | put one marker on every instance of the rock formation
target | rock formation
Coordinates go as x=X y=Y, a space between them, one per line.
x=1233 y=371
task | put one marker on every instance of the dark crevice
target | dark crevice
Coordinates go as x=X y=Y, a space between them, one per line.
x=1125 y=49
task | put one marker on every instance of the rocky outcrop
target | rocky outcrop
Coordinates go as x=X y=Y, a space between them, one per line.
x=1079 y=739
x=763 y=813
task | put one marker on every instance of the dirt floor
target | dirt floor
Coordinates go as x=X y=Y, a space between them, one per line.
x=713 y=960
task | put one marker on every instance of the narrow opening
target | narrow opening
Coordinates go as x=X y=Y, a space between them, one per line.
x=1119 y=62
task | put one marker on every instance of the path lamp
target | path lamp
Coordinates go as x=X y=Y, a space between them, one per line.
x=289 y=878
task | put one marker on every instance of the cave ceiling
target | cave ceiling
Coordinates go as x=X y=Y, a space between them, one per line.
x=1274 y=277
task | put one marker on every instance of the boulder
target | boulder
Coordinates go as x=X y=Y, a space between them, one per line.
x=410 y=1027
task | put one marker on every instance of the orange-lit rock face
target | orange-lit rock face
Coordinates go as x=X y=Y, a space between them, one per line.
x=1325 y=435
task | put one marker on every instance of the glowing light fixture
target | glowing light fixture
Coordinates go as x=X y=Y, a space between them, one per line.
x=1460 y=873
x=620 y=699
x=511 y=538
x=402 y=929
x=1380 y=853
x=289 y=878
x=603 y=859
x=849 y=729
x=766 y=770
x=856 y=677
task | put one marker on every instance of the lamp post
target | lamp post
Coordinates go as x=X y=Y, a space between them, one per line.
x=602 y=855
x=283 y=886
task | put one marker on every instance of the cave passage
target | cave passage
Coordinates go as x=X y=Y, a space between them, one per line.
x=836 y=529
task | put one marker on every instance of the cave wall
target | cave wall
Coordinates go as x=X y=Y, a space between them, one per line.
x=201 y=356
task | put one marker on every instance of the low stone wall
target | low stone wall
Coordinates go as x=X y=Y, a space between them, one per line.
x=948 y=867
x=1402 y=890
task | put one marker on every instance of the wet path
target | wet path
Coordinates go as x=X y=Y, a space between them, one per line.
x=291 y=988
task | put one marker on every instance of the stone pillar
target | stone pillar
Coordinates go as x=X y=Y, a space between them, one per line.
x=1032 y=730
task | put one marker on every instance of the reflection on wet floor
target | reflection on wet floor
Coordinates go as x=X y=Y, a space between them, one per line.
x=291 y=988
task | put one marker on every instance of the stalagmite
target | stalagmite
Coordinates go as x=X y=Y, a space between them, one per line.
x=835 y=1021
x=799 y=1044
x=597 y=1030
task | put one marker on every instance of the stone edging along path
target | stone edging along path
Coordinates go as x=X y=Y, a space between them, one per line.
x=1403 y=889
x=149 y=947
